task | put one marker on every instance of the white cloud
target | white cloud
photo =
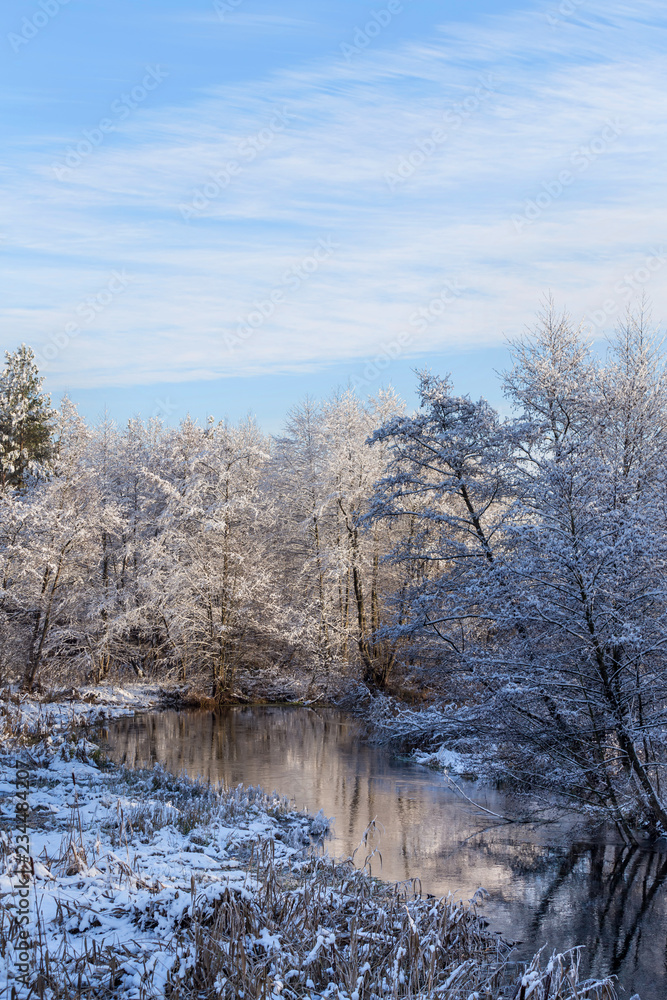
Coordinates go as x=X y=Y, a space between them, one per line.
x=554 y=90
x=242 y=19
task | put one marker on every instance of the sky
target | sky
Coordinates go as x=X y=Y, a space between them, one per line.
x=223 y=206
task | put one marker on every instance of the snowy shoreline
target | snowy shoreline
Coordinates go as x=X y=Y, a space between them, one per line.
x=121 y=858
x=148 y=885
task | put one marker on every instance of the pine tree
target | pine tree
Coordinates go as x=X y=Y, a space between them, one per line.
x=25 y=420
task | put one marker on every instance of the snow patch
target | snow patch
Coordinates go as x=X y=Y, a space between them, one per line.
x=445 y=760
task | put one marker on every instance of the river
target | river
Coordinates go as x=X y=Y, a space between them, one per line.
x=548 y=883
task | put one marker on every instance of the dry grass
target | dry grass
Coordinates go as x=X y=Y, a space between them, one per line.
x=315 y=929
x=342 y=933
x=191 y=803
x=293 y=927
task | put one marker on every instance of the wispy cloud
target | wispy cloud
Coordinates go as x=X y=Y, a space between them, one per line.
x=242 y=18
x=554 y=89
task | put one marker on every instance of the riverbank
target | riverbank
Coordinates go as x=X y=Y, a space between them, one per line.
x=153 y=886
x=111 y=699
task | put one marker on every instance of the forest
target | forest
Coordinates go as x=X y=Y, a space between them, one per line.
x=499 y=577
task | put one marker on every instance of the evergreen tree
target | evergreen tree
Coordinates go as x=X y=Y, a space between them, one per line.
x=25 y=420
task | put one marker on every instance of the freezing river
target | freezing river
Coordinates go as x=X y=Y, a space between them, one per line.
x=545 y=885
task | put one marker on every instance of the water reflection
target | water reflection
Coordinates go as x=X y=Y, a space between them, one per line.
x=545 y=885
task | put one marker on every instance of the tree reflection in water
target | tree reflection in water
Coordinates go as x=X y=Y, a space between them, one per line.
x=615 y=897
x=546 y=884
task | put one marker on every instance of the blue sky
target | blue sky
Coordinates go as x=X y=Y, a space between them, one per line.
x=220 y=207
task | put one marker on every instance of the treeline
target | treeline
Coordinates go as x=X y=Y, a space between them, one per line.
x=195 y=553
x=513 y=567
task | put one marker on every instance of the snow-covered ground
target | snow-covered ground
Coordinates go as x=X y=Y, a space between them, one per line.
x=122 y=859
x=445 y=760
x=143 y=885
x=88 y=704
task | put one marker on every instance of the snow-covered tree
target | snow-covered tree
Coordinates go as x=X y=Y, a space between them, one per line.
x=298 y=475
x=25 y=420
x=521 y=563
x=589 y=695
x=548 y=537
x=325 y=472
x=209 y=563
x=447 y=482
x=51 y=562
x=357 y=551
